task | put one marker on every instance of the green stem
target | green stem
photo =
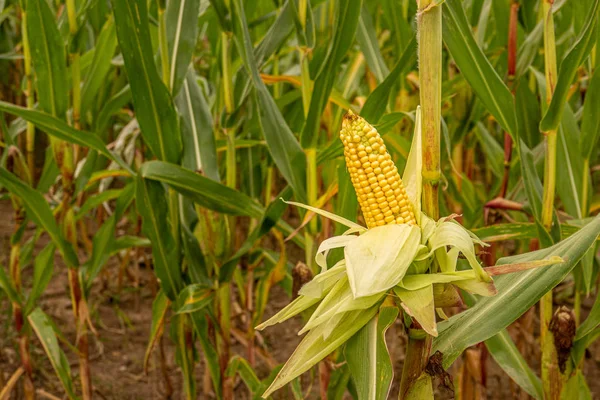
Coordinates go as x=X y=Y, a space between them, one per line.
x=227 y=73
x=311 y=193
x=162 y=43
x=305 y=81
x=585 y=186
x=551 y=378
x=430 y=76
x=30 y=135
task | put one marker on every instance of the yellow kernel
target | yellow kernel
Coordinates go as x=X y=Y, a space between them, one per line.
x=389 y=193
x=368 y=170
x=356 y=138
x=399 y=220
x=372 y=179
x=387 y=212
x=364 y=183
x=380 y=222
x=389 y=219
x=378 y=217
x=356 y=164
x=395 y=209
x=384 y=188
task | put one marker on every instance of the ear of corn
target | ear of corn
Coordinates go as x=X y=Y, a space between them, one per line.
x=378 y=185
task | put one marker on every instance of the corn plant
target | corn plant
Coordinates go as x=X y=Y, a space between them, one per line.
x=450 y=146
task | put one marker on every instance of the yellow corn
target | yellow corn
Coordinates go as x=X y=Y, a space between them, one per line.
x=378 y=185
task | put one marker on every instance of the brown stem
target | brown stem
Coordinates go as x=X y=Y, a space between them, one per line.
x=81 y=341
x=417 y=356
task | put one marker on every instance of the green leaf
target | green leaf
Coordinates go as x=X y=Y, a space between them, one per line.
x=494 y=154
x=591 y=322
x=568 y=68
x=104 y=238
x=44 y=330
x=152 y=206
x=366 y=36
x=203 y=191
x=590 y=126
x=475 y=67
x=576 y=388
x=506 y=354
x=193 y=298
x=48 y=58
x=368 y=357
x=42 y=273
x=100 y=66
x=212 y=358
x=160 y=305
x=61 y=130
x=346 y=22
x=528 y=113
x=569 y=176
x=240 y=366
x=282 y=144
x=182 y=33
x=39 y=211
x=376 y=103
x=154 y=108
x=313 y=348
x=199 y=151
x=517 y=292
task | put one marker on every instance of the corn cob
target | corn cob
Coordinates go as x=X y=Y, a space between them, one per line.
x=378 y=185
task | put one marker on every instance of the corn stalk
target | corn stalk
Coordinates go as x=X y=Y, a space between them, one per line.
x=550 y=372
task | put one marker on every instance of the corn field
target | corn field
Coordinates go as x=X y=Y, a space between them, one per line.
x=299 y=199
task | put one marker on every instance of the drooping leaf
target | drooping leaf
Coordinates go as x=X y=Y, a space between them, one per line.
x=368 y=357
x=39 y=211
x=314 y=347
x=42 y=273
x=508 y=357
x=152 y=206
x=61 y=130
x=44 y=330
x=517 y=292
x=201 y=190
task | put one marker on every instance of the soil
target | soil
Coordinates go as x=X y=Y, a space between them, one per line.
x=122 y=319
